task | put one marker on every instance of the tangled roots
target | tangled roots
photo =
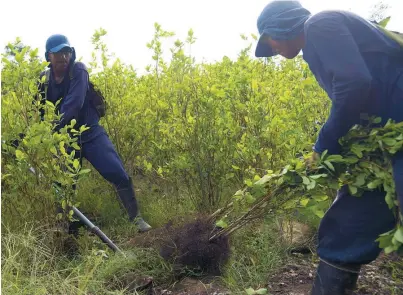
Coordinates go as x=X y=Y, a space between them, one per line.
x=191 y=252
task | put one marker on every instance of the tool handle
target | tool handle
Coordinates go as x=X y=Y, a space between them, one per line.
x=96 y=231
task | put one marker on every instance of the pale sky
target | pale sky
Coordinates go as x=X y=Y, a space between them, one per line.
x=217 y=24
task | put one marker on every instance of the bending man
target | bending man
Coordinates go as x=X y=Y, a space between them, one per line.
x=361 y=69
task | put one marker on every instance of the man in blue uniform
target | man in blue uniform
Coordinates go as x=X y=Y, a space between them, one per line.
x=69 y=80
x=361 y=69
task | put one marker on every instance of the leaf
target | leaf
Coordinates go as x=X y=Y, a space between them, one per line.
x=304 y=202
x=53 y=150
x=323 y=155
x=320 y=198
x=264 y=179
x=377 y=120
x=384 y=240
x=399 y=235
x=4 y=176
x=20 y=155
x=159 y=171
x=83 y=128
x=249 y=198
x=84 y=171
x=330 y=165
x=374 y=184
x=356 y=149
x=383 y=23
x=389 y=141
x=360 y=180
x=76 y=163
x=389 y=199
x=352 y=189
x=305 y=180
x=311 y=185
x=261 y=291
x=239 y=193
x=319 y=212
x=389 y=249
x=290 y=204
x=62 y=149
x=228 y=176
x=248 y=182
x=254 y=84
x=250 y=291
x=75 y=146
x=318 y=176
x=235 y=167
x=72 y=123
x=221 y=223
x=335 y=158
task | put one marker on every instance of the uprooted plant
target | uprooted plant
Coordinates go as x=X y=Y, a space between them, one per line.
x=363 y=164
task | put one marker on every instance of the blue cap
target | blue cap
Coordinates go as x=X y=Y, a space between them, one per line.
x=57 y=42
x=280 y=20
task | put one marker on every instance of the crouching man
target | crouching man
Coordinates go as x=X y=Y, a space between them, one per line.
x=69 y=80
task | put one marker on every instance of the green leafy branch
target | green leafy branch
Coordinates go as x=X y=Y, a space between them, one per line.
x=364 y=164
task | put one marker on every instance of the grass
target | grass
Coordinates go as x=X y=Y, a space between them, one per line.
x=30 y=267
x=32 y=262
x=255 y=253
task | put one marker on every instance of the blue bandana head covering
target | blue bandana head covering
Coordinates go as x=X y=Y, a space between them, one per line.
x=280 y=20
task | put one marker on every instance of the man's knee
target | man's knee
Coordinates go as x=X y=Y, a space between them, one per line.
x=348 y=230
x=118 y=175
x=103 y=156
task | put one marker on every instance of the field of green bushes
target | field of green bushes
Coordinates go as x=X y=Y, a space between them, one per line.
x=190 y=134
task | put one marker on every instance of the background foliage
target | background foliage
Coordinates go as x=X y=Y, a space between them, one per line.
x=191 y=135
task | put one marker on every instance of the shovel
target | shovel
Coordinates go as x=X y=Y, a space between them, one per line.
x=96 y=230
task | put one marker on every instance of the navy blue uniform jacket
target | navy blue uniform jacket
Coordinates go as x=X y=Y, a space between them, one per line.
x=358 y=67
x=75 y=103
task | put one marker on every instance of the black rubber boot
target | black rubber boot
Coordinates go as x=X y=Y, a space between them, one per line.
x=335 y=280
x=128 y=199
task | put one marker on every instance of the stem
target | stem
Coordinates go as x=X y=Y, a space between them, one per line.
x=219 y=211
x=241 y=221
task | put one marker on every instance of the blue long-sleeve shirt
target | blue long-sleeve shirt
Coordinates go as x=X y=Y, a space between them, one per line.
x=357 y=65
x=75 y=103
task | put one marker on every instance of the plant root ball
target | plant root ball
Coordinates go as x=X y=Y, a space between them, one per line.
x=191 y=252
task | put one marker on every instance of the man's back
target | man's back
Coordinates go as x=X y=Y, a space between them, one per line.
x=341 y=46
x=368 y=37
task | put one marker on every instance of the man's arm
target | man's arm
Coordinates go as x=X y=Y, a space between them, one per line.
x=339 y=55
x=74 y=100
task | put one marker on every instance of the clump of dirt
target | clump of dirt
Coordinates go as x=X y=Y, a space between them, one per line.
x=189 y=249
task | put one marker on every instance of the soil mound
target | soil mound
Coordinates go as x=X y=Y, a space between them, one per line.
x=189 y=249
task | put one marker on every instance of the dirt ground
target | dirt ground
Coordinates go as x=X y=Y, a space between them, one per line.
x=297 y=276
x=294 y=278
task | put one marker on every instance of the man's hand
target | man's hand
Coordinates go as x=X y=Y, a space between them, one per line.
x=315 y=157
